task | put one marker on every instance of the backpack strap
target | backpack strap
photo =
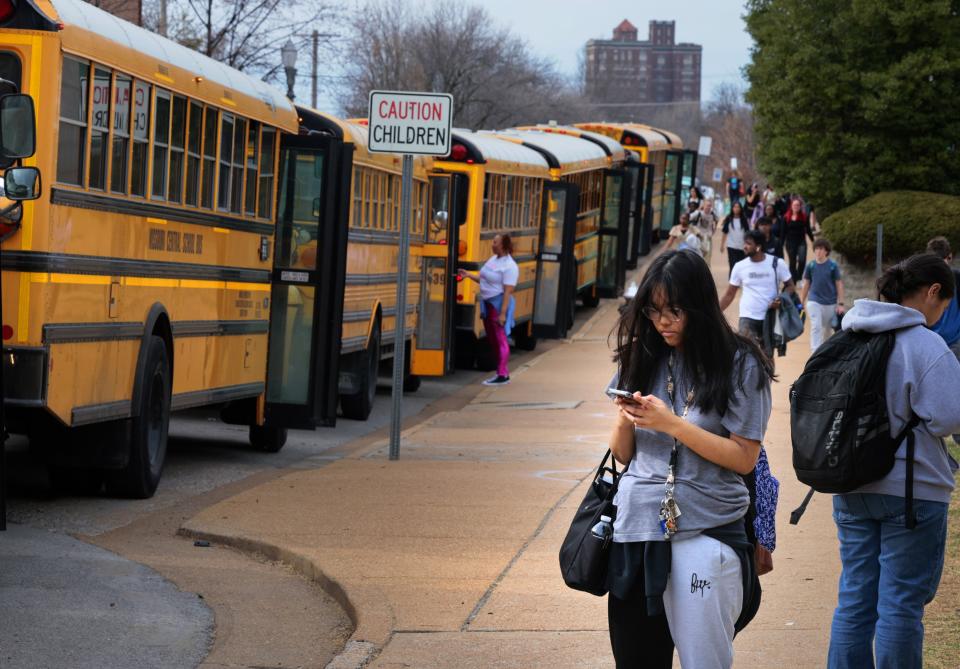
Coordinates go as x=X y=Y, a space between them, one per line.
x=908 y=432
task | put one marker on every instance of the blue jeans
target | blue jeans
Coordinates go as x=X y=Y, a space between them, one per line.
x=889 y=574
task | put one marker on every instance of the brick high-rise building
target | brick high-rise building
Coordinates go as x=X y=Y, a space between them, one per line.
x=627 y=70
x=128 y=10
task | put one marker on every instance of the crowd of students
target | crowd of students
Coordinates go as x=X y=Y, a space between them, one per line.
x=699 y=414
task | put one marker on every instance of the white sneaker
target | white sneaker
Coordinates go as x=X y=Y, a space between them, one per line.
x=497 y=381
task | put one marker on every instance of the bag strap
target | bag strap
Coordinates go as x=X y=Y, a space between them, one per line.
x=909 y=433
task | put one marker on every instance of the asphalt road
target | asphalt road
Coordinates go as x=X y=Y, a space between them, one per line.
x=151 y=599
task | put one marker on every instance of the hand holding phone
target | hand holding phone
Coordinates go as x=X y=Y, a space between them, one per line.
x=614 y=393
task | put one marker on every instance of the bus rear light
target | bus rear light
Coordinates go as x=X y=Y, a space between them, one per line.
x=458 y=152
x=7 y=332
x=459 y=278
x=459 y=298
x=462 y=249
x=7 y=8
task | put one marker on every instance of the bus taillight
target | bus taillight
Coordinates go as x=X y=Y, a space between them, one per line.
x=458 y=152
x=7 y=332
x=7 y=8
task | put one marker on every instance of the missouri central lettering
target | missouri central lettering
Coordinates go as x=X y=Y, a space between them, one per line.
x=399 y=134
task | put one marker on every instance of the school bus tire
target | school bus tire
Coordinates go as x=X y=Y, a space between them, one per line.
x=591 y=298
x=268 y=438
x=411 y=381
x=357 y=406
x=147 y=432
x=523 y=338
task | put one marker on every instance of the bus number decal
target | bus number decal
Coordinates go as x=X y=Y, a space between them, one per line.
x=175 y=242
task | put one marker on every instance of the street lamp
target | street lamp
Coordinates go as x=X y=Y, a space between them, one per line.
x=288 y=56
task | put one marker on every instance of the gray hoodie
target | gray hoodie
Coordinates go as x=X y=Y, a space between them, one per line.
x=923 y=377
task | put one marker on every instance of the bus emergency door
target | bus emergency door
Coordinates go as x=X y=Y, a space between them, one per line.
x=634 y=170
x=645 y=206
x=306 y=307
x=556 y=262
x=687 y=176
x=613 y=233
x=433 y=348
x=671 y=207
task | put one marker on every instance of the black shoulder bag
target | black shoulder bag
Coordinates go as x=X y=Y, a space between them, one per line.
x=583 y=557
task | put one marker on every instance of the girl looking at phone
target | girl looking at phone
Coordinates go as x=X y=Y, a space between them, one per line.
x=681 y=567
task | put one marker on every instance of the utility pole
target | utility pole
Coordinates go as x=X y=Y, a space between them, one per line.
x=313 y=88
x=162 y=22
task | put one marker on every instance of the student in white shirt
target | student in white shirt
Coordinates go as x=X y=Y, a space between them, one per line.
x=497 y=278
x=760 y=276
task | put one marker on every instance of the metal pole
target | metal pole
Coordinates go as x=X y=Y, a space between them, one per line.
x=879 y=249
x=399 y=339
x=313 y=90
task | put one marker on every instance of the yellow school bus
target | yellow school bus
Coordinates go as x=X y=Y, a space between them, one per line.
x=617 y=217
x=160 y=270
x=369 y=302
x=582 y=165
x=650 y=148
x=485 y=187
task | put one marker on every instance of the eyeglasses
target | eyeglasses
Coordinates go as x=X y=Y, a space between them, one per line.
x=672 y=313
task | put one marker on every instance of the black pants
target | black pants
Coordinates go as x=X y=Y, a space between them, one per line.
x=734 y=256
x=638 y=640
x=797 y=255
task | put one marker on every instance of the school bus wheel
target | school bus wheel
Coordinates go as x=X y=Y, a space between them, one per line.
x=146 y=434
x=358 y=405
x=268 y=438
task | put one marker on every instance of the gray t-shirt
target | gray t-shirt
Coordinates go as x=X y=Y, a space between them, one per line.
x=708 y=495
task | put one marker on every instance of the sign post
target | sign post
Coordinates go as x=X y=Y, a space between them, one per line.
x=410 y=124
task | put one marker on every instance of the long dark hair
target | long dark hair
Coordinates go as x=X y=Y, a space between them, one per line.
x=710 y=345
x=728 y=223
x=915 y=273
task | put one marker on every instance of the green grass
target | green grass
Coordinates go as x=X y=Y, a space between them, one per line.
x=942 y=617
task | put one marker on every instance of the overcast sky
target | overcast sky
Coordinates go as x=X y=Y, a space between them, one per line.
x=558 y=29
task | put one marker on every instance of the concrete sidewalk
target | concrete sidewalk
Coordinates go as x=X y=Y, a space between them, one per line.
x=448 y=557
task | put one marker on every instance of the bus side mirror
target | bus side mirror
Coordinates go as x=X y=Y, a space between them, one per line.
x=21 y=183
x=18 y=131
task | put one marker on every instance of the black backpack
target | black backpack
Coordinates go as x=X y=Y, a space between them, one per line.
x=839 y=425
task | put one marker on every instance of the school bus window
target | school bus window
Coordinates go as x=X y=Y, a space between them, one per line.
x=73 y=121
x=226 y=155
x=265 y=192
x=397 y=199
x=121 y=134
x=375 y=201
x=161 y=140
x=10 y=67
x=239 y=149
x=194 y=137
x=385 y=202
x=209 y=157
x=99 y=128
x=141 y=138
x=357 y=199
x=367 y=196
x=178 y=132
x=253 y=146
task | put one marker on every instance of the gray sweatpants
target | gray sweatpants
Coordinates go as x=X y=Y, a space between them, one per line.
x=702 y=601
x=956 y=351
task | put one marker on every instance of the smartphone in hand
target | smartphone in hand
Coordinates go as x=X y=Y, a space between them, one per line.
x=614 y=393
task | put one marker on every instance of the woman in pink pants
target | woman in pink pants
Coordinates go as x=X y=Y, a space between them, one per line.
x=497 y=278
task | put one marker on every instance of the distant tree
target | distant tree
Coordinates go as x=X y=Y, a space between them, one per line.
x=452 y=47
x=853 y=97
x=728 y=120
x=244 y=34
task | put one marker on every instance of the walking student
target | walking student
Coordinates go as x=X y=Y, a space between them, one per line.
x=760 y=276
x=734 y=228
x=772 y=245
x=890 y=572
x=498 y=279
x=681 y=231
x=822 y=292
x=796 y=230
x=706 y=221
x=948 y=326
x=698 y=413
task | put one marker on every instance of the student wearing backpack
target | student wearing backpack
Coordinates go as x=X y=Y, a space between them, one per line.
x=823 y=286
x=701 y=401
x=760 y=275
x=891 y=572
